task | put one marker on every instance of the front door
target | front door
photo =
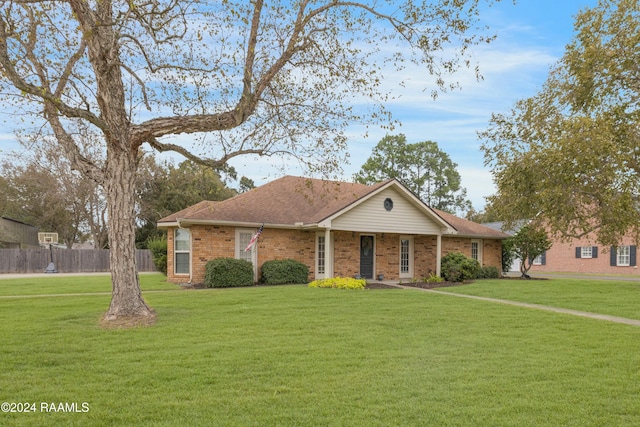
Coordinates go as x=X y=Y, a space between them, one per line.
x=366 y=256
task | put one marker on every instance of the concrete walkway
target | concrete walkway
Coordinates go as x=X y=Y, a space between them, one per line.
x=598 y=316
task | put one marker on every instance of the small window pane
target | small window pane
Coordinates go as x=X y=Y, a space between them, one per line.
x=404 y=256
x=624 y=255
x=182 y=263
x=474 y=250
x=586 y=252
x=321 y=256
x=182 y=248
x=243 y=241
x=183 y=240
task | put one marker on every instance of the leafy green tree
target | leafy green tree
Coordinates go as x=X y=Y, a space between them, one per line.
x=242 y=78
x=527 y=244
x=164 y=189
x=45 y=191
x=571 y=153
x=246 y=184
x=422 y=167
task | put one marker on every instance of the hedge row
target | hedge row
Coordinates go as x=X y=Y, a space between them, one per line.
x=283 y=271
x=231 y=272
x=228 y=272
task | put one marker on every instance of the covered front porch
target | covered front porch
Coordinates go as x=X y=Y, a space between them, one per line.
x=376 y=256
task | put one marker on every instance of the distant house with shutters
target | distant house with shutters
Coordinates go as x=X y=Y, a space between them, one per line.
x=380 y=231
x=583 y=256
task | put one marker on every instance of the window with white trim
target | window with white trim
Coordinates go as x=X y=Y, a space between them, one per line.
x=321 y=254
x=586 y=252
x=540 y=259
x=624 y=256
x=182 y=251
x=406 y=257
x=476 y=250
x=243 y=237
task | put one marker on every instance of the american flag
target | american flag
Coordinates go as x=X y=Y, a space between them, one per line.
x=254 y=239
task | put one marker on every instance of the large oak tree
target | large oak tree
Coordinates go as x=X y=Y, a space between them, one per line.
x=570 y=155
x=241 y=77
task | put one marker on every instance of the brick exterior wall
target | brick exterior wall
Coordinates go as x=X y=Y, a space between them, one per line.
x=491 y=249
x=562 y=258
x=209 y=242
x=425 y=255
x=346 y=252
x=288 y=244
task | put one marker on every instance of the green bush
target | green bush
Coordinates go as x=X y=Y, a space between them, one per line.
x=228 y=272
x=158 y=248
x=339 y=283
x=488 y=272
x=455 y=267
x=281 y=271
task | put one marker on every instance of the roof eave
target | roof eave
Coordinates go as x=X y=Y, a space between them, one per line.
x=481 y=236
x=186 y=222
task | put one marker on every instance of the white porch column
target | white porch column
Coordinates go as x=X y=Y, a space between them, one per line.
x=328 y=253
x=438 y=253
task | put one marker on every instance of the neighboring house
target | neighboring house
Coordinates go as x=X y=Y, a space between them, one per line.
x=16 y=234
x=585 y=256
x=582 y=256
x=335 y=228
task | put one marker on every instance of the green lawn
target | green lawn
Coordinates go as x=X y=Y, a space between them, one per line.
x=52 y=284
x=294 y=356
x=616 y=298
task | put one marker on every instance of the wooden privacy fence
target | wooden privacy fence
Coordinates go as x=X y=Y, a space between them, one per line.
x=66 y=260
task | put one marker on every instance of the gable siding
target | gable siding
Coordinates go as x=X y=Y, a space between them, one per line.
x=371 y=216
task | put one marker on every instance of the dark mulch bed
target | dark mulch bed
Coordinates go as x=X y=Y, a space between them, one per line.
x=422 y=285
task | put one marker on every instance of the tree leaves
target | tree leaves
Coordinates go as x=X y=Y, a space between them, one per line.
x=422 y=167
x=570 y=153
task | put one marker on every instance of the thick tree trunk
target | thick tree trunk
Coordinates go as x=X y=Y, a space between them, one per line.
x=127 y=303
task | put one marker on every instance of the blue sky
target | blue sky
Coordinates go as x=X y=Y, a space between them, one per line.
x=531 y=37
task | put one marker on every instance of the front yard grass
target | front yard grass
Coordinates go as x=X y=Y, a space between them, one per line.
x=49 y=284
x=291 y=355
x=616 y=298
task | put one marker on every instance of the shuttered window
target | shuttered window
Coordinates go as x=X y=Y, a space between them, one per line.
x=587 y=252
x=623 y=256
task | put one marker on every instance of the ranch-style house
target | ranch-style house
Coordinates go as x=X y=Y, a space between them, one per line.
x=380 y=231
